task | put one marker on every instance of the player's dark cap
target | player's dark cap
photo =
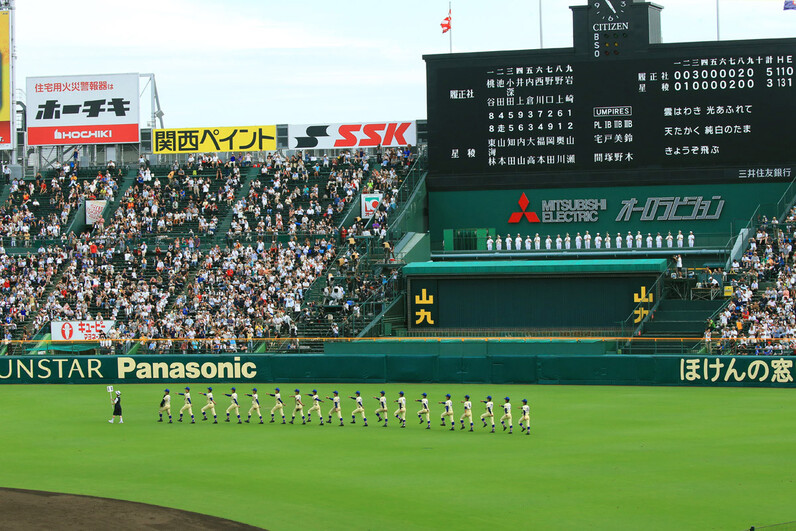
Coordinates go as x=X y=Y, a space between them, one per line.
x=254 y=389
x=233 y=388
x=424 y=394
x=382 y=392
x=525 y=400
x=314 y=391
x=489 y=397
x=357 y=392
x=209 y=388
x=334 y=392
x=277 y=389
x=297 y=390
x=467 y=397
x=166 y=390
x=507 y=399
x=448 y=395
x=400 y=392
x=187 y=388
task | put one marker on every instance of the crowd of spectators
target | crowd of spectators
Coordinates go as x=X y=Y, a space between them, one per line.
x=759 y=319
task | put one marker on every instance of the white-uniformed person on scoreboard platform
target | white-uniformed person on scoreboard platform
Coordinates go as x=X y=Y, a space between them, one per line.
x=255 y=406
x=507 y=416
x=335 y=407
x=489 y=413
x=299 y=408
x=165 y=405
x=424 y=410
x=278 y=406
x=359 y=409
x=234 y=405
x=468 y=412
x=117 y=408
x=525 y=421
x=187 y=405
x=382 y=407
x=211 y=405
x=316 y=406
x=448 y=412
x=400 y=413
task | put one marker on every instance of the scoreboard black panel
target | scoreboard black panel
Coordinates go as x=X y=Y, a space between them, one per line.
x=671 y=113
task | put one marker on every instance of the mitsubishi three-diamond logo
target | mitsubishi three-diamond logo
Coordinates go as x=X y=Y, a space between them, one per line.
x=516 y=217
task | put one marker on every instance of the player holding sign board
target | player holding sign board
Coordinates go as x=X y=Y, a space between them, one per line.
x=424 y=411
x=211 y=405
x=187 y=406
x=255 y=406
x=233 y=405
x=279 y=406
x=335 y=407
x=165 y=405
x=316 y=406
x=117 y=407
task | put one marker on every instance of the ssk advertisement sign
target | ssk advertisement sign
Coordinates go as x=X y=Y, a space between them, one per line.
x=95 y=109
x=352 y=135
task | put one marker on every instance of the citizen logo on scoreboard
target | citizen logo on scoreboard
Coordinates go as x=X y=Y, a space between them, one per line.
x=352 y=135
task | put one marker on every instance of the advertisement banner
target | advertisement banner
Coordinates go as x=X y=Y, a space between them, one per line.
x=79 y=330
x=94 y=211
x=215 y=139
x=95 y=109
x=6 y=100
x=352 y=135
x=370 y=204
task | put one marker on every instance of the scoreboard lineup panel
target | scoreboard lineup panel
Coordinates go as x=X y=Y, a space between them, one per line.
x=675 y=113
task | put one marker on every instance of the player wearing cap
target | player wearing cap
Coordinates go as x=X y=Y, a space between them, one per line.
x=299 y=407
x=400 y=413
x=233 y=404
x=382 y=407
x=468 y=412
x=448 y=412
x=211 y=405
x=165 y=405
x=359 y=409
x=507 y=416
x=489 y=413
x=279 y=406
x=255 y=406
x=526 y=417
x=316 y=406
x=335 y=407
x=117 y=408
x=187 y=406
x=424 y=411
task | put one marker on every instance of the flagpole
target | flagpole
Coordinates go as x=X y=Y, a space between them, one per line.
x=718 y=28
x=450 y=32
x=541 y=35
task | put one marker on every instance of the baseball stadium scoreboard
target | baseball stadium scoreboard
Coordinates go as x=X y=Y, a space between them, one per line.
x=617 y=109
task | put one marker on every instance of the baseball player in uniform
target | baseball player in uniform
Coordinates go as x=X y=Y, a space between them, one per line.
x=382 y=407
x=316 y=406
x=299 y=407
x=489 y=413
x=526 y=417
x=468 y=412
x=507 y=416
x=255 y=406
x=117 y=408
x=335 y=407
x=448 y=412
x=233 y=404
x=165 y=405
x=400 y=413
x=211 y=405
x=359 y=409
x=187 y=405
x=424 y=411
x=279 y=406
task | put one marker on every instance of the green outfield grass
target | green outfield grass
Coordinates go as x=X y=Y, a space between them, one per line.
x=598 y=457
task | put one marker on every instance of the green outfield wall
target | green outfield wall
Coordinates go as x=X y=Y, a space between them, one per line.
x=418 y=368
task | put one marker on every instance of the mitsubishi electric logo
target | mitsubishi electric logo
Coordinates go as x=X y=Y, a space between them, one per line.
x=530 y=216
x=78 y=135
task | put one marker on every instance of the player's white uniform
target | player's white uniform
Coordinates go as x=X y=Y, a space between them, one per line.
x=336 y=409
x=382 y=406
x=299 y=408
x=166 y=405
x=448 y=412
x=359 y=409
x=506 y=413
x=401 y=411
x=211 y=405
x=468 y=412
x=526 y=417
x=424 y=409
x=234 y=404
x=490 y=414
x=255 y=405
x=187 y=406
x=279 y=405
x=316 y=406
